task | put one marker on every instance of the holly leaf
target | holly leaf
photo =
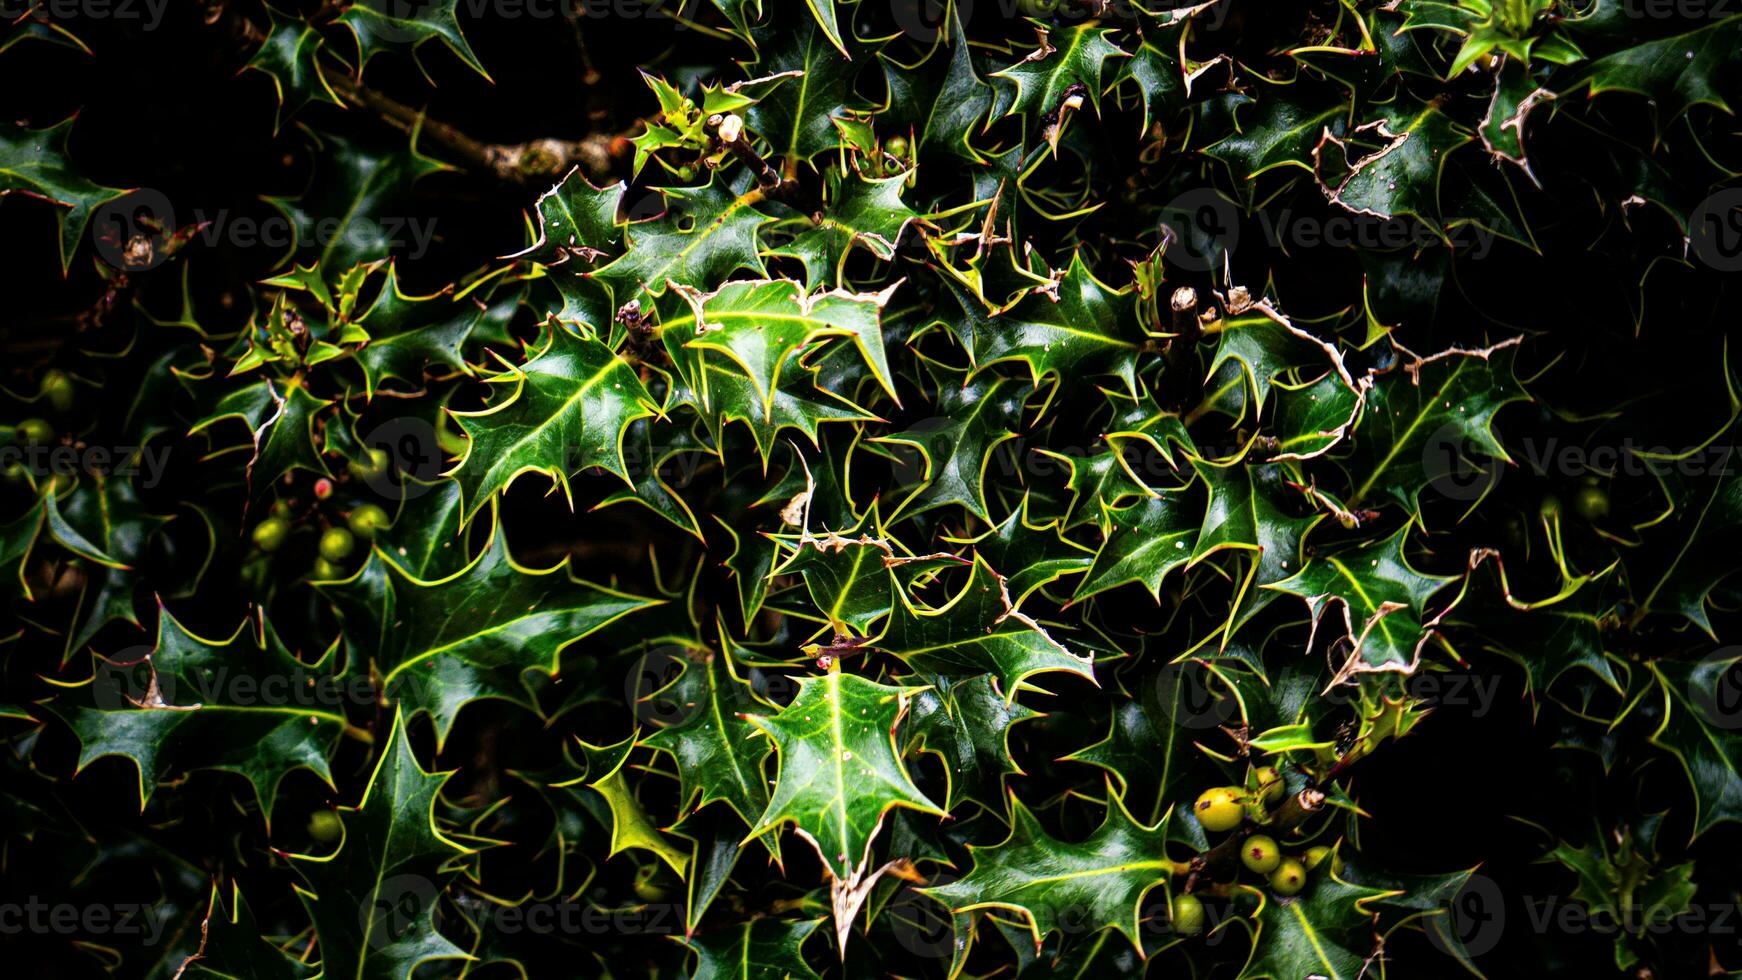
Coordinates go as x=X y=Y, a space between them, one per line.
x=1275 y=133
x=243 y=704
x=385 y=25
x=758 y=324
x=440 y=645
x=840 y=769
x=1311 y=933
x=373 y=899
x=408 y=334
x=977 y=631
x=761 y=949
x=104 y=521
x=966 y=724
x=850 y=575
x=796 y=117
x=1673 y=73
x=631 y=828
x=1248 y=512
x=1100 y=882
x=955 y=445
x=719 y=756
x=568 y=409
x=1141 y=542
x=1076 y=327
x=1699 y=728
x=233 y=945
x=353 y=212
x=1402 y=176
x=290 y=56
x=1425 y=417
x=867 y=212
x=705 y=234
x=34 y=162
x=1068 y=63
x=1040 y=552
x=1383 y=602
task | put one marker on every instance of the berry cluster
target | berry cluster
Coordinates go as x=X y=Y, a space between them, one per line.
x=1242 y=811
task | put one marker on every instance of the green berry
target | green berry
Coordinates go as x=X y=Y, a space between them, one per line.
x=1188 y=915
x=59 y=389
x=281 y=510
x=324 y=826
x=366 y=520
x=373 y=464
x=646 y=888
x=1270 y=785
x=325 y=570
x=685 y=173
x=1260 y=853
x=269 y=534
x=1315 y=856
x=1591 y=503
x=336 y=544
x=897 y=146
x=1219 y=808
x=1288 y=878
x=34 y=432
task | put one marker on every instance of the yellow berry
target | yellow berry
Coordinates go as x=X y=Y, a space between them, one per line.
x=270 y=533
x=1288 y=878
x=1188 y=915
x=324 y=826
x=367 y=519
x=33 y=432
x=1260 y=853
x=1219 y=808
x=1270 y=785
x=336 y=543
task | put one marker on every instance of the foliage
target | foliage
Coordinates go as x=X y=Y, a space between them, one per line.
x=827 y=492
